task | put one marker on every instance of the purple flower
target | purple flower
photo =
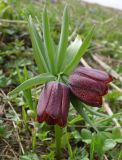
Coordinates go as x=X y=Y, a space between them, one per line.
x=53 y=104
x=89 y=85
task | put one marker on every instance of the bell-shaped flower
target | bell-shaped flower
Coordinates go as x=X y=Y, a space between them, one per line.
x=89 y=85
x=53 y=104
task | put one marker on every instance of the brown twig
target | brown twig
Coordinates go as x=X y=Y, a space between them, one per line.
x=14 y=124
x=107 y=108
x=15 y=156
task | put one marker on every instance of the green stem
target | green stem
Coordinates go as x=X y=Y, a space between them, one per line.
x=58 y=135
x=34 y=138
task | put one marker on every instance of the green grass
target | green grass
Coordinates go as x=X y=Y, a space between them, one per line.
x=16 y=52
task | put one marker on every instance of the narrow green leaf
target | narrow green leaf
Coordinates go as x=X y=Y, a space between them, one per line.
x=92 y=111
x=70 y=67
x=39 y=53
x=63 y=40
x=40 y=79
x=72 y=51
x=109 y=118
x=78 y=106
x=75 y=120
x=19 y=75
x=27 y=92
x=26 y=76
x=48 y=42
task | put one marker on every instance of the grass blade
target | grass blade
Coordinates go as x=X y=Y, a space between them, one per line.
x=40 y=79
x=38 y=48
x=50 y=51
x=63 y=40
x=27 y=92
x=92 y=111
x=70 y=67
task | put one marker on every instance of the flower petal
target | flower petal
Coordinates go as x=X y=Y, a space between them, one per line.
x=65 y=106
x=88 y=97
x=50 y=120
x=43 y=100
x=54 y=106
x=93 y=74
x=88 y=84
x=41 y=118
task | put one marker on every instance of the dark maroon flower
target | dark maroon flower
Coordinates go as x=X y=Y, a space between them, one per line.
x=53 y=104
x=89 y=85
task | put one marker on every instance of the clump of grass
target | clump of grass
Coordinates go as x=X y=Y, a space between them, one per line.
x=108 y=30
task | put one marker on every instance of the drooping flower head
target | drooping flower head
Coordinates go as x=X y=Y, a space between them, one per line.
x=89 y=85
x=53 y=104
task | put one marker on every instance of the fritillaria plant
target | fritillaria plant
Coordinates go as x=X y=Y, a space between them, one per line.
x=64 y=81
